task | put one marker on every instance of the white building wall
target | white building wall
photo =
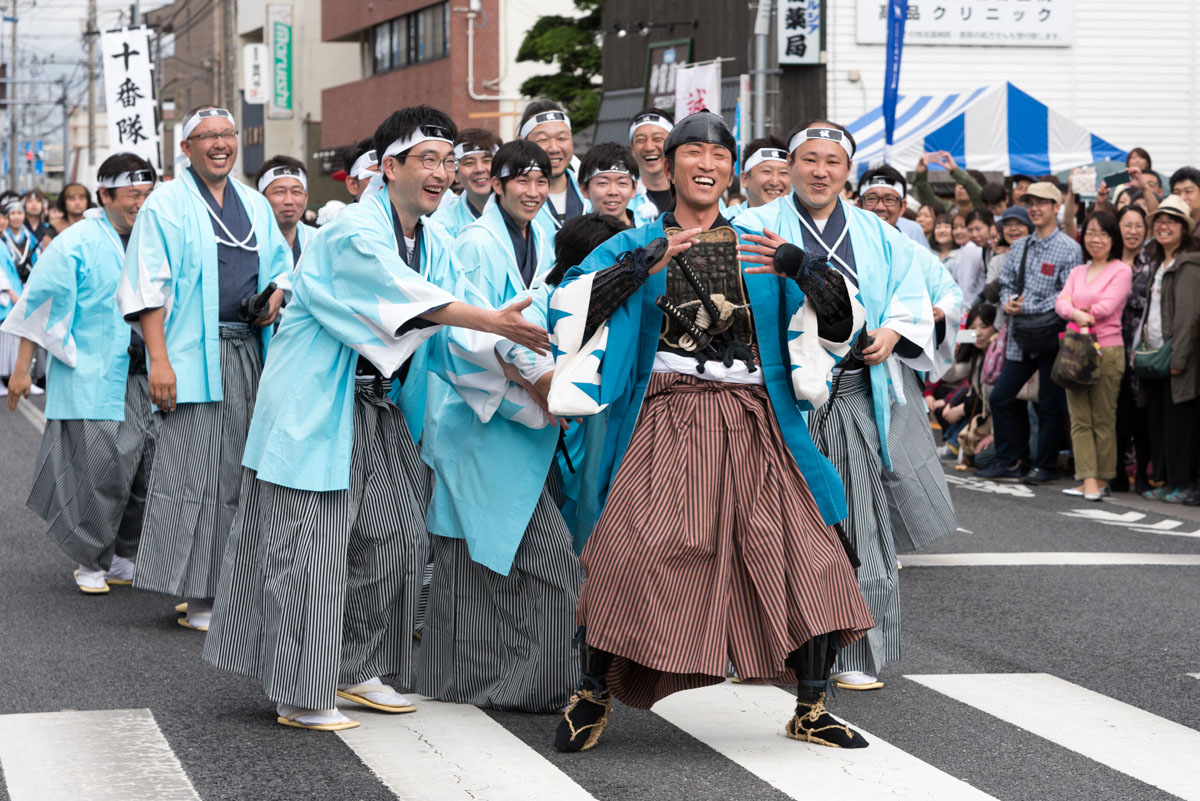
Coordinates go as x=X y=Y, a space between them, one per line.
x=316 y=65
x=517 y=17
x=1129 y=77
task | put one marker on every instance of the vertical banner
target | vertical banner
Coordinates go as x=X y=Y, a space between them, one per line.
x=698 y=87
x=129 y=93
x=279 y=43
x=663 y=59
x=799 y=31
x=897 y=14
x=254 y=74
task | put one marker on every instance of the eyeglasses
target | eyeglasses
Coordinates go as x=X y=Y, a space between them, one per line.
x=212 y=137
x=887 y=201
x=431 y=162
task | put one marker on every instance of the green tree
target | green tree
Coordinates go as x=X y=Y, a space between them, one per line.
x=573 y=43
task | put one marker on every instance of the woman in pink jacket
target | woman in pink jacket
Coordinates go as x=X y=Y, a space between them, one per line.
x=1093 y=299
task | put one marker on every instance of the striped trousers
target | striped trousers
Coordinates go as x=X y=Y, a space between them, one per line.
x=196 y=477
x=711 y=549
x=320 y=588
x=504 y=642
x=89 y=484
x=919 y=503
x=844 y=430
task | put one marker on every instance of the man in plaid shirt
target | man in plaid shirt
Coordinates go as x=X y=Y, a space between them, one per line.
x=1049 y=257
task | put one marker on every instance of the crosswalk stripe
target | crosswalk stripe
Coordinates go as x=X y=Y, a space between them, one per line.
x=1039 y=558
x=1194 y=675
x=745 y=724
x=107 y=755
x=454 y=752
x=1147 y=747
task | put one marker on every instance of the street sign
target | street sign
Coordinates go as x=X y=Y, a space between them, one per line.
x=279 y=41
x=663 y=59
x=254 y=73
x=129 y=93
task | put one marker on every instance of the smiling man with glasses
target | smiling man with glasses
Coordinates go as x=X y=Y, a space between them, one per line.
x=201 y=257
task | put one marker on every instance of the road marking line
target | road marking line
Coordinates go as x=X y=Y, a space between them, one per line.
x=107 y=755
x=454 y=752
x=33 y=414
x=964 y=531
x=1194 y=675
x=993 y=487
x=1046 y=558
x=1147 y=747
x=1130 y=520
x=745 y=723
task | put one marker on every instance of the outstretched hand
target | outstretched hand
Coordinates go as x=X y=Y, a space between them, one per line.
x=510 y=324
x=676 y=245
x=761 y=252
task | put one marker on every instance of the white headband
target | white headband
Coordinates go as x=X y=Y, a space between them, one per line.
x=13 y=203
x=620 y=169
x=544 y=117
x=275 y=173
x=506 y=171
x=764 y=154
x=128 y=179
x=362 y=165
x=882 y=182
x=650 y=119
x=828 y=134
x=423 y=133
x=464 y=149
x=203 y=114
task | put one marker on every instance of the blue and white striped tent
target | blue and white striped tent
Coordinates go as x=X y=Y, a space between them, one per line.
x=995 y=127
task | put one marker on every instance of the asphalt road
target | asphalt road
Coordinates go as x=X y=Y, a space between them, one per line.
x=1101 y=657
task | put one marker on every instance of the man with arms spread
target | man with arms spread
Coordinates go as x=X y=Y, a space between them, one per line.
x=90 y=479
x=202 y=255
x=713 y=544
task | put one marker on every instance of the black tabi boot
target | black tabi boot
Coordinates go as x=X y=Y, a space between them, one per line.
x=587 y=713
x=813 y=663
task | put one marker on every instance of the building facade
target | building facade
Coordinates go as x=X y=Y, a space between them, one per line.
x=459 y=56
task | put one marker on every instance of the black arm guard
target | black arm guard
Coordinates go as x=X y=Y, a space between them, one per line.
x=823 y=286
x=256 y=306
x=614 y=285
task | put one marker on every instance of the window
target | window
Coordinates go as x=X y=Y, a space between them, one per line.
x=414 y=38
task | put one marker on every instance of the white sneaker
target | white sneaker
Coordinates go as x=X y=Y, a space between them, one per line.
x=120 y=571
x=34 y=389
x=857 y=680
x=90 y=581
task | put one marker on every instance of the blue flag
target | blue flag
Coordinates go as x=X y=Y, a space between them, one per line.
x=897 y=14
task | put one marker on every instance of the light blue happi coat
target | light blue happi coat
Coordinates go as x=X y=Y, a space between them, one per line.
x=171 y=263
x=610 y=371
x=10 y=279
x=455 y=215
x=642 y=207
x=304 y=235
x=69 y=308
x=945 y=293
x=546 y=218
x=490 y=474
x=352 y=297
x=891 y=287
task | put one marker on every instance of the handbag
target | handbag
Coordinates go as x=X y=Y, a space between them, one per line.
x=1077 y=364
x=1152 y=362
x=993 y=359
x=1035 y=333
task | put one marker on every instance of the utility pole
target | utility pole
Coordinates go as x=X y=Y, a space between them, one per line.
x=12 y=107
x=66 y=130
x=218 y=90
x=92 y=33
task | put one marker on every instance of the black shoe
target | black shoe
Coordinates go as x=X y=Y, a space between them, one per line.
x=1038 y=475
x=1119 y=484
x=1141 y=486
x=584 y=719
x=812 y=723
x=998 y=470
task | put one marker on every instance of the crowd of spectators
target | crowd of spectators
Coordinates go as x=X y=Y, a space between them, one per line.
x=1036 y=261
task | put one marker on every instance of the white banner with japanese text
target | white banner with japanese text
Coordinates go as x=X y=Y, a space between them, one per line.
x=1011 y=23
x=799 y=34
x=129 y=94
x=697 y=87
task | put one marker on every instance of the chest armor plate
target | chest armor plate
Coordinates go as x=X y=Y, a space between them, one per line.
x=714 y=263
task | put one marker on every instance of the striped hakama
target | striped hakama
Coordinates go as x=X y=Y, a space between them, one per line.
x=320 y=588
x=844 y=430
x=196 y=477
x=504 y=642
x=918 y=498
x=710 y=549
x=90 y=481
